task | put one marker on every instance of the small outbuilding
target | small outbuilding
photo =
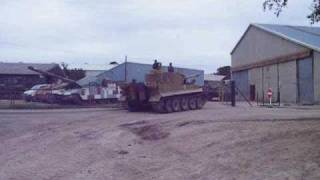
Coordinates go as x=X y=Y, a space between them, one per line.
x=212 y=85
x=213 y=81
x=285 y=59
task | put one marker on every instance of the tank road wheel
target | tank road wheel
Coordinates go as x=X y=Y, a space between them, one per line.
x=51 y=99
x=132 y=107
x=158 y=107
x=76 y=99
x=200 y=102
x=184 y=103
x=168 y=106
x=192 y=103
x=176 y=104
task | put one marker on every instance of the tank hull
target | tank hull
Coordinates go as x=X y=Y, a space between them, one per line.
x=140 y=98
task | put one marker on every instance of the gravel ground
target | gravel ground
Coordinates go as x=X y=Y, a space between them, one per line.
x=217 y=142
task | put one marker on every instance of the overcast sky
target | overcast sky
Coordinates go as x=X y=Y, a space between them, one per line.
x=190 y=33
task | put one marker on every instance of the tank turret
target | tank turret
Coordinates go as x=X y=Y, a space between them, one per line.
x=49 y=74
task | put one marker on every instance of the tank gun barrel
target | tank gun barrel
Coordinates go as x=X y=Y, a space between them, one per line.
x=51 y=75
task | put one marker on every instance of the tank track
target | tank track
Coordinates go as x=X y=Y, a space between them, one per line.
x=179 y=103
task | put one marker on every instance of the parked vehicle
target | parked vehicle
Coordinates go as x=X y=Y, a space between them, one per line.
x=93 y=94
x=164 y=92
x=68 y=91
x=47 y=93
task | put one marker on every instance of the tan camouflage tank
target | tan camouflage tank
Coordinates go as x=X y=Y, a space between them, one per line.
x=165 y=92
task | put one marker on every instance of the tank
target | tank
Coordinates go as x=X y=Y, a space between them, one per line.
x=69 y=91
x=49 y=93
x=164 y=92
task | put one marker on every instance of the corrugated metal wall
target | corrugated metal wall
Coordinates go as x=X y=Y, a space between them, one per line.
x=288 y=82
x=316 y=76
x=305 y=81
x=241 y=79
x=294 y=80
x=138 y=71
x=270 y=80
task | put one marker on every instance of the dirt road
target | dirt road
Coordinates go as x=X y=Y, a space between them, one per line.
x=218 y=142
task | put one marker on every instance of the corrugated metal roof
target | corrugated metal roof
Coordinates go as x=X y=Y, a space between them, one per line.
x=94 y=72
x=213 y=77
x=88 y=66
x=87 y=80
x=303 y=35
x=91 y=77
x=22 y=68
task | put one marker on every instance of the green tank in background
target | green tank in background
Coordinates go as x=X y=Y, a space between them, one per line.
x=164 y=92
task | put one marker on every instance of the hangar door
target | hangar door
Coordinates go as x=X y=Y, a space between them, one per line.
x=305 y=81
x=241 y=79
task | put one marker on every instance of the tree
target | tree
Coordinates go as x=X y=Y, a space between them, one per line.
x=74 y=74
x=224 y=70
x=278 y=5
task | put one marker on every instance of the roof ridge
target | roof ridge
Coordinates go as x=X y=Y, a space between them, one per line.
x=29 y=63
x=288 y=37
x=299 y=29
x=295 y=27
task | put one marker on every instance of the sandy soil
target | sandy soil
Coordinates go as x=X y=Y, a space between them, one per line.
x=217 y=142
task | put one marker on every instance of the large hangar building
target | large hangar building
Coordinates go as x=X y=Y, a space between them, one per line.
x=283 y=58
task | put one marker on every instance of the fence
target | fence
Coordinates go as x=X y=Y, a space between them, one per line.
x=228 y=92
x=11 y=94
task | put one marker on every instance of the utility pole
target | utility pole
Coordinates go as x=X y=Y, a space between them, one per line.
x=233 y=93
x=278 y=79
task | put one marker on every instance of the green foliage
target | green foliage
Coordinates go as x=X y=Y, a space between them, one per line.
x=74 y=74
x=278 y=5
x=224 y=70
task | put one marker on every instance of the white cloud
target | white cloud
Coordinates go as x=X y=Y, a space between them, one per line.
x=192 y=33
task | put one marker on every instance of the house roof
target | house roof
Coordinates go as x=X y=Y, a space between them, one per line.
x=22 y=68
x=303 y=35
